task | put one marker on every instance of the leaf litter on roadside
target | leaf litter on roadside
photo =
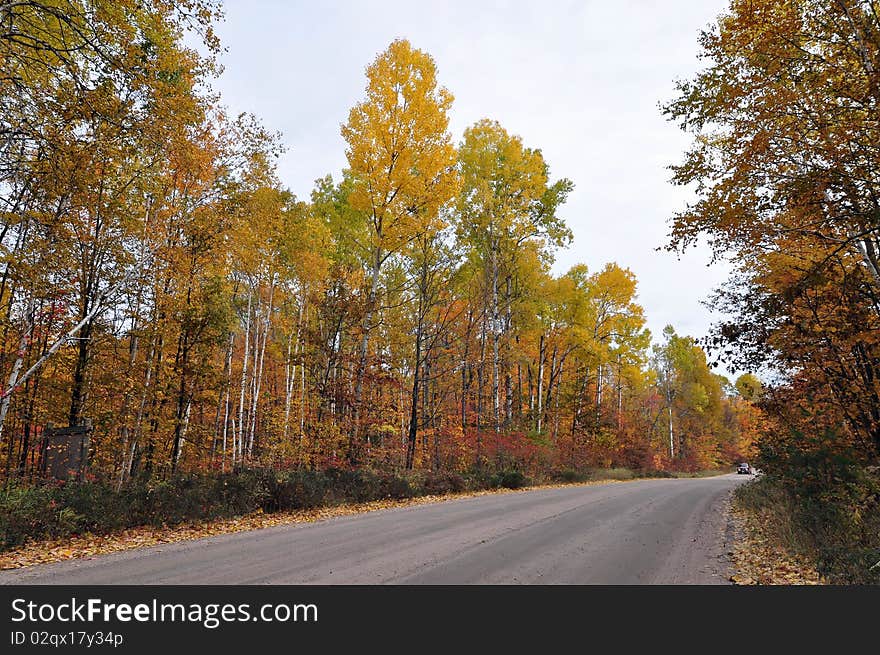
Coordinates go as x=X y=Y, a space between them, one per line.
x=760 y=561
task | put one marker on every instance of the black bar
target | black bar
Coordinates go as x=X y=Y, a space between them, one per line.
x=391 y=615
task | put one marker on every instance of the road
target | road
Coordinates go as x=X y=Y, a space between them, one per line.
x=665 y=531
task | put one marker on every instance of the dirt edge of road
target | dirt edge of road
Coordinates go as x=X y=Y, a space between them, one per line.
x=88 y=546
x=757 y=559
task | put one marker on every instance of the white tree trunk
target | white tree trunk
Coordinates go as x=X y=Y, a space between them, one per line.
x=540 y=382
x=13 y=381
x=230 y=350
x=183 y=431
x=496 y=364
x=238 y=436
x=289 y=379
x=267 y=325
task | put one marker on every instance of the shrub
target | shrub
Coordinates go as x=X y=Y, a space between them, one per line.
x=438 y=482
x=357 y=485
x=824 y=505
x=509 y=479
x=571 y=475
x=52 y=510
x=244 y=491
x=659 y=474
x=25 y=511
x=68 y=521
x=172 y=501
x=97 y=506
x=302 y=489
x=395 y=486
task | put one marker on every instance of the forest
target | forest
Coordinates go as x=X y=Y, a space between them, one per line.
x=160 y=282
x=161 y=287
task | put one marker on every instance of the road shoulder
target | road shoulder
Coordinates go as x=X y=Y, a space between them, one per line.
x=758 y=560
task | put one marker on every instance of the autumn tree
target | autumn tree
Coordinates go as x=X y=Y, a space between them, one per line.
x=80 y=155
x=402 y=160
x=506 y=200
x=785 y=163
x=748 y=386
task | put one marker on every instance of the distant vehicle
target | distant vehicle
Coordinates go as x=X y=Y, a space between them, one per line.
x=744 y=468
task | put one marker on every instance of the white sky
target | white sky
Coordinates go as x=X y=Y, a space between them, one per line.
x=579 y=80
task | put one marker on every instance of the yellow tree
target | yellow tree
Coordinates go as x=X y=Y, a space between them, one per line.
x=506 y=201
x=402 y=162
x=617 y=336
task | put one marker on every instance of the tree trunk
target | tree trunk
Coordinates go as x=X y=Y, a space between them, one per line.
x=180 y=438
x=16 y=366
x=413 y=417
x=290 y=371
x=508 y=380
x=181 y=413
x=142 y=406
x=259 y=368
x=496 y=358
x=353 y=446
x=556 y=403
x=239 y=439
x=540 y=383
x=78 y=392
x=124 y=429
x=480 y=383
x=619 y=395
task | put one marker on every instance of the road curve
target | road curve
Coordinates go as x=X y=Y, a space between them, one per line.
x=666 y=531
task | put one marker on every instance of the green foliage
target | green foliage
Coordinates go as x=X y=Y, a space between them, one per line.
x=23 y=511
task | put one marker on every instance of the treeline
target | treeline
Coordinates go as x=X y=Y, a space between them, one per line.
x=158 y=280
x=787 y=167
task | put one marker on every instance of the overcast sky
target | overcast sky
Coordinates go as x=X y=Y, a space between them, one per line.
x=579 y=80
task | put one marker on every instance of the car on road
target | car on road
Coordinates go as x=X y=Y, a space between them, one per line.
x=744 y=468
